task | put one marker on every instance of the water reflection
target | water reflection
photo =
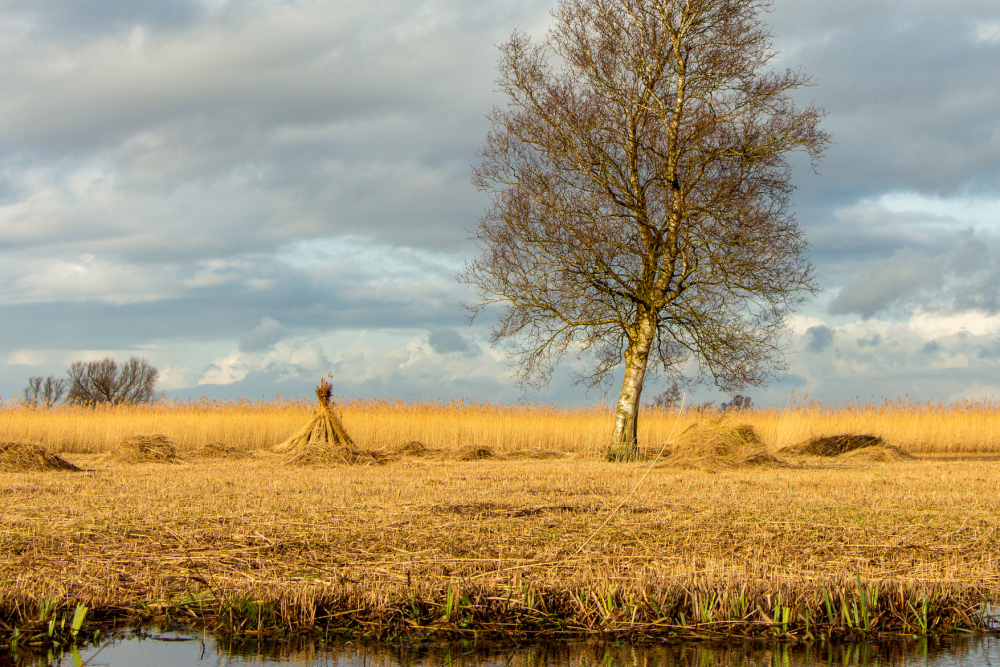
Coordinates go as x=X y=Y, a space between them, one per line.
x=162 y=649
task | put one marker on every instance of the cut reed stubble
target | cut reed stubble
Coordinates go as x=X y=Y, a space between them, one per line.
x=317 y=541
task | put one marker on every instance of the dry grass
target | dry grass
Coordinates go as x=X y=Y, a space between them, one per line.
x=219 y=450
x=27 y=457
x=155 y=448
x=970 y=427
x=502 y=546
x=714 y=446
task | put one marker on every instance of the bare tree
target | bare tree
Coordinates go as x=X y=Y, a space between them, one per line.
x=737 y=403
x=105 y=381
x=640 y=198
x=44 y=391
x=670 y=397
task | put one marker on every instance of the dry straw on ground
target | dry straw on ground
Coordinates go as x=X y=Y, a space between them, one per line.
x=847 y=445
x=28 y=457
x=716 y=445
x=500 y=547
x=219 y=450
x=477 y=454
x=144 y=449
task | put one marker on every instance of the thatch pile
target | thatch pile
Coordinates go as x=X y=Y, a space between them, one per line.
x=28 y=457
x=413 y=448
x=324 y=441
x=880 y=454
x=220 y=450
x=832 y=445
x=155 y=448
x=719 y=446
x=538 y=454
x=848 y=445
x=477 y=453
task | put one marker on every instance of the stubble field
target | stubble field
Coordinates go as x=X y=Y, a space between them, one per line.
x=512 y=545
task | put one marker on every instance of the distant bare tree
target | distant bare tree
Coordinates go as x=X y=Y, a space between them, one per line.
x=738 y=402
x=44 y=391
x=105 y=381
x=670 y=396
x=640 y=190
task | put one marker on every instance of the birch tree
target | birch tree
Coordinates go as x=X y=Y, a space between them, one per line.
x=640 y=198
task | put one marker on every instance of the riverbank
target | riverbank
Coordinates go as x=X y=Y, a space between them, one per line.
x=563 y=547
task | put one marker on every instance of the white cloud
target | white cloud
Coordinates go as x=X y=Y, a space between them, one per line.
x=85 y=278
x=174 y=377
x=987 y=31
x=935 y=325
x=26 y=358
x=284 y=359
x=950 y=211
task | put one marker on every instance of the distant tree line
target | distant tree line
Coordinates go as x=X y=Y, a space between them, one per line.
x=93 y=383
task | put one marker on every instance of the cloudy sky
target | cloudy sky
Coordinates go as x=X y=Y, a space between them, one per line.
x=252 y=194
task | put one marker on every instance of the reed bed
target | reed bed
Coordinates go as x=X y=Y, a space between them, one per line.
x=931 y=428
x=514 y=548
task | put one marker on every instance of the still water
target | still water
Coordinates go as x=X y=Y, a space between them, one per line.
x=178 y=649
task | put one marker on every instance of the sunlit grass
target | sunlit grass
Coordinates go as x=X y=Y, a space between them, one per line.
x=966 y=427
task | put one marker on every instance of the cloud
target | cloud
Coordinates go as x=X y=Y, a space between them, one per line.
x=890 y=281
x=265 y=334
x=445 y=341
x=871 y=339
x=819 y=338
x=284 y=360
x=987 y=31
x=228 y=185
x=25 y=358
x=174 y=377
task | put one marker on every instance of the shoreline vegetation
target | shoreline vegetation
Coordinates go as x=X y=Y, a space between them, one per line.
x=505 y=522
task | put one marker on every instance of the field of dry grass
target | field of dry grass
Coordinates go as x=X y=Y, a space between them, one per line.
x=565 y=546
x=970 y=427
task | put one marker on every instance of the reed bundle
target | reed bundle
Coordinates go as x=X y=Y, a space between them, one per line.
x=324 y=440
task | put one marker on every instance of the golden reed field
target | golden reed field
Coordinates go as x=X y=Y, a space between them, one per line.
x=928 y=428
x=558 y=544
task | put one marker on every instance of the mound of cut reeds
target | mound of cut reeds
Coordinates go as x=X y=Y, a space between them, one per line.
x=716 y=446
x=220 y=450
x=845 y=443
x=324 y=441
x=155 y=448
x=538 y=454
x=412 y=448
x=878 y=454
x=475 y=453
x=28 y=457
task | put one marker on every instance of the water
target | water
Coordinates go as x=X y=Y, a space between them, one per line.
x=177 y=649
